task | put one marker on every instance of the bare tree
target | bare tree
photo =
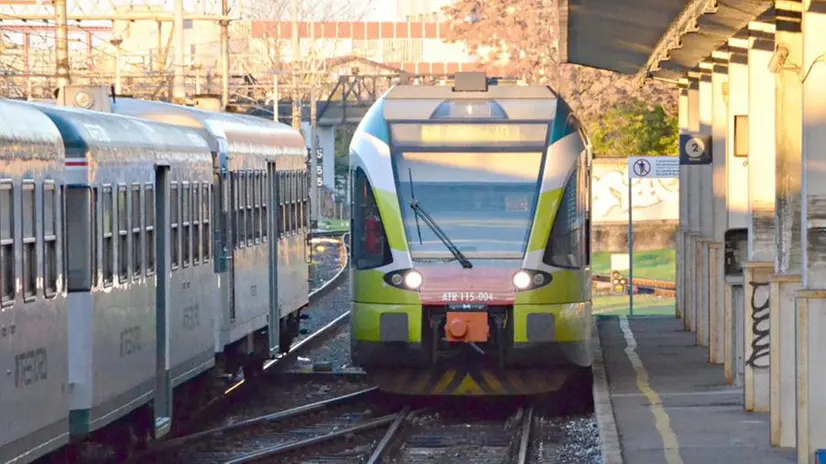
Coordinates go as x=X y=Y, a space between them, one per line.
x=520 y=38
x=308 y=10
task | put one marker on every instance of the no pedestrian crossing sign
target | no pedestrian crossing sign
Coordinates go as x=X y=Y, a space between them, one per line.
x=653 y=167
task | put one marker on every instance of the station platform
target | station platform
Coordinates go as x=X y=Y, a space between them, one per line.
x=668 y=403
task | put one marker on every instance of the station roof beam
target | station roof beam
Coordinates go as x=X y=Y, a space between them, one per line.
x=661 y=39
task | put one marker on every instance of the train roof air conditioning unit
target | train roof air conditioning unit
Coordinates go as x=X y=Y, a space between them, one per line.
x=87 y=97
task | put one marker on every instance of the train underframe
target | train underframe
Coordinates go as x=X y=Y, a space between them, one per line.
x=436 y=365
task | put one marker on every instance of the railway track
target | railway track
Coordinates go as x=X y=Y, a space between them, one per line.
x=456 y=434
x=271 y=436
x=319 y=336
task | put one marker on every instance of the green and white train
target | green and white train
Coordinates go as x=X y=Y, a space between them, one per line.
x=470 y=225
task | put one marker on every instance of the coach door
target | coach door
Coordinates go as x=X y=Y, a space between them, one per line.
x=271 y=232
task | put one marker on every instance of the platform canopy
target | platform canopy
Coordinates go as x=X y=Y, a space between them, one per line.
x=662 y=39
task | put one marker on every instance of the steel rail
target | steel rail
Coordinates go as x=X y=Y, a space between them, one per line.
x=525 y=436
x=281 y=449
x=383 y=445
x=166 y=445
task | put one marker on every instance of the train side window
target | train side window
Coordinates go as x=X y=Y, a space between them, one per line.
x=256 y=207
x=206 y=222
x=292 y=196
x=371 y=248
x=137 y=243
x=81 y=238
x=174 y=205
x=108 y=237
x=7 y=271
x=186 y=218
x=305 y=200
x=29 y=241
x=266 y=188
x=566 y=242
x=123 y=235
x=282 y=214
x=196 y=223
x=250 y=185
x=149 y=215
x=94 y=212
x=50 y=208
x=242 y=209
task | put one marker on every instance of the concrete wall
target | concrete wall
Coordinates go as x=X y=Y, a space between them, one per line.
x=655 y=209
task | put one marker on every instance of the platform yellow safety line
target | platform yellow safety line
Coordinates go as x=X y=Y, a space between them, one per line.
x=661 y=419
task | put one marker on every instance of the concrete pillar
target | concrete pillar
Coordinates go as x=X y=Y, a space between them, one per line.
x=716 y=255
x=736 y=203
x=705 y=212
x=786 y=278
x=760 y=262
x=691 y=189
x=811 y=302
x=682 y=233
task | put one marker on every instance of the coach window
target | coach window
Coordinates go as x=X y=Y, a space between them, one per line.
x=29 y=242
x=266 y=189
x=149 y=215
x=137 y=244
x=249 y=213
x=108 y=240
x=305 y=202
x=196 y=223
x=256 y=208
x=174 y=205
x=123 y=235
x=186 y=218
x=242 y=209
x=7 y=280
x=50 y=207
x=81 y=238
x=205 y=221
x=282 y=215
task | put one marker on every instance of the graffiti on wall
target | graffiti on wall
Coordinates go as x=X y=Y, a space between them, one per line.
x=652 y=199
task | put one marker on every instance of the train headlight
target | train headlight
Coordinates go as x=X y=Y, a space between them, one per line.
x=413 y=279
x=530 y=279
x=405 y=279
x=521 y=280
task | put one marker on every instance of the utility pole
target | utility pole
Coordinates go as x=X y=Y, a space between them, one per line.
x=27 y=65
x=224 y=55
x=62 y=39
x=295 y=61
x=275 y=96
x=178 y=90
x=116 y=42
x=317 y=164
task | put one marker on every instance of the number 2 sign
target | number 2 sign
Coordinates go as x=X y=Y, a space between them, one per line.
x=695 y=149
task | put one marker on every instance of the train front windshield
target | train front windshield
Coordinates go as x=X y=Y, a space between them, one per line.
x=482 y=193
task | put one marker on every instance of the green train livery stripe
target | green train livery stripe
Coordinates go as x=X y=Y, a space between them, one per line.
x=545 y=213
x=567 y=286
x=391 y=217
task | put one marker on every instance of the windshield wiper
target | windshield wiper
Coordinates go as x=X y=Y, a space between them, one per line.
x=414 y=205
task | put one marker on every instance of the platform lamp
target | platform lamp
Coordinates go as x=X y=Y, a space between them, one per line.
x=116 y=42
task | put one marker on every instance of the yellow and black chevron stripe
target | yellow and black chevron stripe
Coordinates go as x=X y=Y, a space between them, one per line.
x=469 y=382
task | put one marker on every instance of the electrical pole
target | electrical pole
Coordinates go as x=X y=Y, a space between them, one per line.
x=27 y=65
x=275 y=96
x=296 y=52
x=62 y=43
x=116 y=42
x=224 y=55
x=317 y=165
x=178 y=90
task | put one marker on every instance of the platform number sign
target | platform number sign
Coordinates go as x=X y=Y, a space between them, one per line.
x=695 y=149
x=319 y=156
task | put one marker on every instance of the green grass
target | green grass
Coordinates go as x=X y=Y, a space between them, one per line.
x=336 y=225
x=655 y=264
x=644 y=305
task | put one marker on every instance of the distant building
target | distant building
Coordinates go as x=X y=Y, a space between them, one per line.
x=420 y=10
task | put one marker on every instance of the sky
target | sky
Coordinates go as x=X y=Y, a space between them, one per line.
x=383 y=10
